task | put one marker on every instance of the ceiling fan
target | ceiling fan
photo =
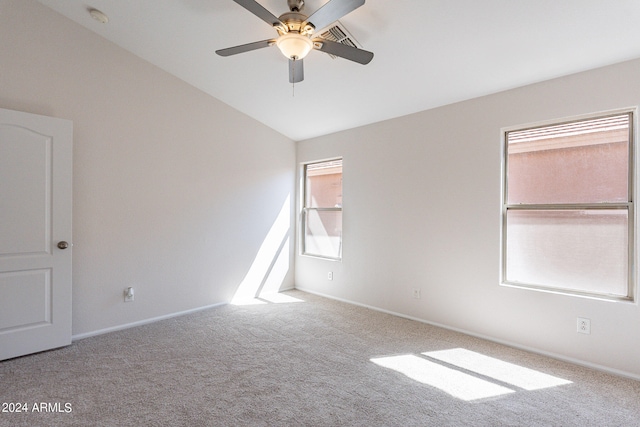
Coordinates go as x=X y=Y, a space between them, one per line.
x=296 y=33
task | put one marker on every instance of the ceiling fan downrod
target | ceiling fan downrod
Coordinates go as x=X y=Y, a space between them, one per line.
x=295 y=5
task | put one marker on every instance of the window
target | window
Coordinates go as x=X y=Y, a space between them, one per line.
x=322 y=210
x=567 y=217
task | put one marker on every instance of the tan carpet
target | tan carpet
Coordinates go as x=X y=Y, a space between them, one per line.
x=312 y=363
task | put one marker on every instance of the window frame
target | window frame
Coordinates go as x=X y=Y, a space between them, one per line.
x=628 y=206
x=304 y=211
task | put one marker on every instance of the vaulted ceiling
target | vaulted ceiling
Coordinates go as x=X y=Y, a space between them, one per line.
x=428 y=53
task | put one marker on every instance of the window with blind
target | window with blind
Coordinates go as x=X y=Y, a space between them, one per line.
x=322 y=210
x=567 y=217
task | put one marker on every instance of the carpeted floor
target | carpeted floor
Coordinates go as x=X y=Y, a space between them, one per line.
x=316 y=362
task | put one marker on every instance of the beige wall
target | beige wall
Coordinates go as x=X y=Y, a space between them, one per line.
x=422 y=203
x=174 y=192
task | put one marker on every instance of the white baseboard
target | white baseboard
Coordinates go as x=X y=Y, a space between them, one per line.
x=142 y=322
x=485 y=337
x=151 y=320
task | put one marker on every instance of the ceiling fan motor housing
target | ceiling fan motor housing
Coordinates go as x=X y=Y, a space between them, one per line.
x=294 y=21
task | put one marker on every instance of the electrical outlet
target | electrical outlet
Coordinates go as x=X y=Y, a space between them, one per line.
x=128 y=294
x=584 y=325
x=330 y=275
x=416 y=293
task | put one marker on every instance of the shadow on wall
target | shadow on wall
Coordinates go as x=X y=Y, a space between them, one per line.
x=270 y=266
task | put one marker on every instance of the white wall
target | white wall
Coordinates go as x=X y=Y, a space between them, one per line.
x=422 y=210
x=174 y=191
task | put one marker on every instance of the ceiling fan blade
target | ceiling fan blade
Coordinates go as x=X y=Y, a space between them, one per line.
x=332 y=11
x=262 y=13
x=245 y=47
x=296 y=71
x=343 y=51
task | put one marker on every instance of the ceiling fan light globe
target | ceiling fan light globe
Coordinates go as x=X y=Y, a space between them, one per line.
x=294 y=46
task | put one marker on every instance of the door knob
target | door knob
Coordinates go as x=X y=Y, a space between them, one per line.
x=63 y=245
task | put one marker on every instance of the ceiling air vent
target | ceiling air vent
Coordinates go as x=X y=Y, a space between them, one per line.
x=338 y=33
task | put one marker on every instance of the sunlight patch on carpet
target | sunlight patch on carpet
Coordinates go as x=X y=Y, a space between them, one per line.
x=468 y=375
x=247 y=301
x=454 y=382
x=279 y=298
x=268 y=298
x=509 y=373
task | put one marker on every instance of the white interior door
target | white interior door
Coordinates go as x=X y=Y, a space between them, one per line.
x=35 y=223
